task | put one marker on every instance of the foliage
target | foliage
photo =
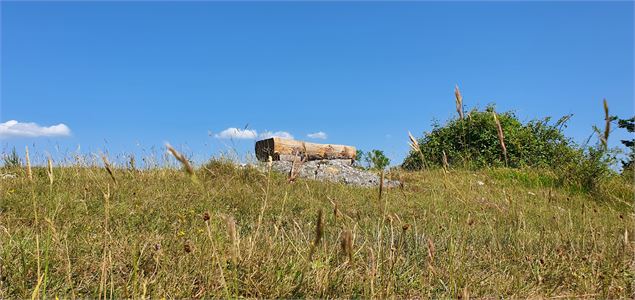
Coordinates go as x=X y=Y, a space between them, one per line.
x=12 y=160
x=473 y=142
x=376 y=159
x=588 y=168
x=628 y=165
x=359 y=156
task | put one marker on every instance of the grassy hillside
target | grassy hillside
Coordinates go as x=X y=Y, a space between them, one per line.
x=242 y=233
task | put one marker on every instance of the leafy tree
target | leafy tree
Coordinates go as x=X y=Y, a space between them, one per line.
x=377 y=160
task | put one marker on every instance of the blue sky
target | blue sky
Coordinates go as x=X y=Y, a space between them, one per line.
x=128 y=76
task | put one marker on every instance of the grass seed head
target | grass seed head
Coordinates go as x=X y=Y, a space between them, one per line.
x=459 y=101
x=319 y=228
x=431 y=250
x=501 y=136
x=319 y=232
x=108 y=168
x=607 y=126
x=29 y=173
x=347 y=244
x=414 y=146
x=182 y=159
x=49 y=171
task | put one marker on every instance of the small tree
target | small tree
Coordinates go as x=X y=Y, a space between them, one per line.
x=377 y=160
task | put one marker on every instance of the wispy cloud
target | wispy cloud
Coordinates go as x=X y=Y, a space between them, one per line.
x=235 y=133
x=14 y=128
x=318 y=135
x=269 y=134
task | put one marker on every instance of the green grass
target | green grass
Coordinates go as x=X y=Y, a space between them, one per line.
x=439 y=236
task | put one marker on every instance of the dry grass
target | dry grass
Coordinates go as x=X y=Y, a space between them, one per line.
x=501 y=136
x=182 y=159
x=108 y=167
x=49 y=170
x=414 y=146
x=458 y=98
x=29 y=173
x=246 y=233
x=446 y=165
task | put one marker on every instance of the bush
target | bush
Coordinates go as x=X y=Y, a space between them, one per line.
x=473 y=143
x=587 y=169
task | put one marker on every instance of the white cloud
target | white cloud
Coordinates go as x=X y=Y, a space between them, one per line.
x=14 y=128
x=235 y=133
x=318 y=135
x=281 y=134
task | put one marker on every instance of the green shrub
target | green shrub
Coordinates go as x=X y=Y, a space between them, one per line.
x=473 y=143
x=587 y=169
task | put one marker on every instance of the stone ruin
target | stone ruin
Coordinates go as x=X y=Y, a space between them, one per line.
x=324 y=162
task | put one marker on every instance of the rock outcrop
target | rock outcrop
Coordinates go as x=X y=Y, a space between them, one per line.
x=332 y=170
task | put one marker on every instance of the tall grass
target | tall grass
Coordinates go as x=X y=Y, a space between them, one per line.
x=437 y=236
